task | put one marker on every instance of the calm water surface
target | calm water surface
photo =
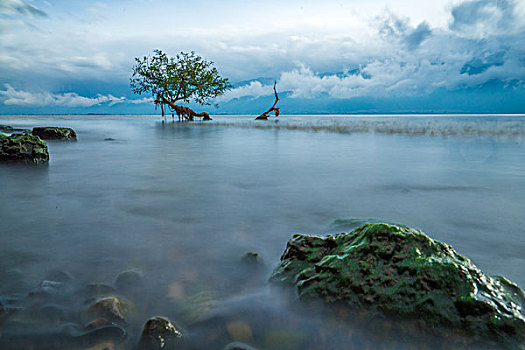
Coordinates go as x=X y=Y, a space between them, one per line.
x=182 y=203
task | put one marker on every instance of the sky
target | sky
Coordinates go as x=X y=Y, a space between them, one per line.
x=337 y=57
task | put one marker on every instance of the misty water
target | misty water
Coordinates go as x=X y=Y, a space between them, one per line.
x=182 y=203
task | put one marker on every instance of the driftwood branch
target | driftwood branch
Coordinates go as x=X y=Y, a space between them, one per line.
x=182 y=112
x=265 y=115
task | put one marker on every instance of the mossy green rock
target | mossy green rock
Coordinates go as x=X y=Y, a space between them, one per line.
x=23 y=148
x=397 y=271
x=55 y=133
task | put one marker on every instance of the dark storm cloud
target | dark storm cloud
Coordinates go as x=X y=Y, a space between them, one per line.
x=490 y=13
x=399 y=29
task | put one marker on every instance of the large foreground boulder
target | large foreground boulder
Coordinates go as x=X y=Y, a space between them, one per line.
x=400 y=272
x=54 y=133
x=23 y=148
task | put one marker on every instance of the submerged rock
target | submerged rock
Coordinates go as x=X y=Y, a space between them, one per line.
x=128 y=280
x=159 y=333
x=396 y=271
x=55 y=133
x=58 y=276
x=252 y=259
x=23 y=148
x=110 y=308
x=48 y=289
x=66 y=336
x=238 y=346
x=10 y=129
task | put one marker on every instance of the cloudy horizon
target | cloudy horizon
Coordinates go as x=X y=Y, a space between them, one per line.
x=332 y=57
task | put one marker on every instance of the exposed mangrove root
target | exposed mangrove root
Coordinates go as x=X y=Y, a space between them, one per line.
x=265 y=115
x=181 y=111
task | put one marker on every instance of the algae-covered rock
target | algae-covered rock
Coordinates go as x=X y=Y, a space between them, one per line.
x=397 y=271
x=23 y=148
x=55 y=133
x=345 y=225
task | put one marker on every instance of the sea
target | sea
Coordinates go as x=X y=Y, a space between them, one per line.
x=179 y=205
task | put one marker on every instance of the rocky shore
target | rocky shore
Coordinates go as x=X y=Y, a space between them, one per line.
x=23 y=146
x=394 y=279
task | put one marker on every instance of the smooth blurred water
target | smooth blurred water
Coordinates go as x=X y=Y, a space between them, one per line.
x=182 y=203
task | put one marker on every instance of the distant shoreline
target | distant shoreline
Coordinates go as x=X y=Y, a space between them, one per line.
x=283 y=116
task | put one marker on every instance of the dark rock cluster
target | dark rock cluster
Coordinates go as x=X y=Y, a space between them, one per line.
x=55 y=133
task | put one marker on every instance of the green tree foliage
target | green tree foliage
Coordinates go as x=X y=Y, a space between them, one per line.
x=183 y=78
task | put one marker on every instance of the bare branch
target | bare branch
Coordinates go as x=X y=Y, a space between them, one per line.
x=274 y=109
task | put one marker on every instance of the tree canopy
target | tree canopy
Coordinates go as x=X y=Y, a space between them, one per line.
x=184 y=78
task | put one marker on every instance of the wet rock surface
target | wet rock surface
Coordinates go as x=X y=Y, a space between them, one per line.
x=23 y=148
x=160 y=333
x=111 y=308
x=394 y=271
x=55 y=133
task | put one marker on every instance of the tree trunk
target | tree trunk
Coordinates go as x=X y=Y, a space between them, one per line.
x=184 y=112
x=264 y=116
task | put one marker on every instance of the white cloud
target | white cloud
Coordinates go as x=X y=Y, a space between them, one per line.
x=12 y=96
x=306 y=45
x=254 y=89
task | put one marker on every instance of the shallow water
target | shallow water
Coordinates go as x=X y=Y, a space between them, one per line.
x=182 y=203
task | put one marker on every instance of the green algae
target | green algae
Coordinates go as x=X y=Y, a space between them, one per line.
x=55 y=133
x=396 y=271
x=22 y=147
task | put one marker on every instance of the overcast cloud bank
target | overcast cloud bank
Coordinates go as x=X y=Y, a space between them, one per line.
x=334 y=51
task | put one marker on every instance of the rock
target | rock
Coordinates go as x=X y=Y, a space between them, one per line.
x=393 y=271
x=262 y=117
x=23 y=148
x=238 y=346
x=252 y=259
x=128 y=280
x=48 y=289
x=58 y=276
x=109 y=139
x=55 y=133
x=10 y=129
x=66 y=336
x=341 y=225
x=239 y=330
x=111 y=308
x=105 y=337
x=197 y=306
x=159 y=333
